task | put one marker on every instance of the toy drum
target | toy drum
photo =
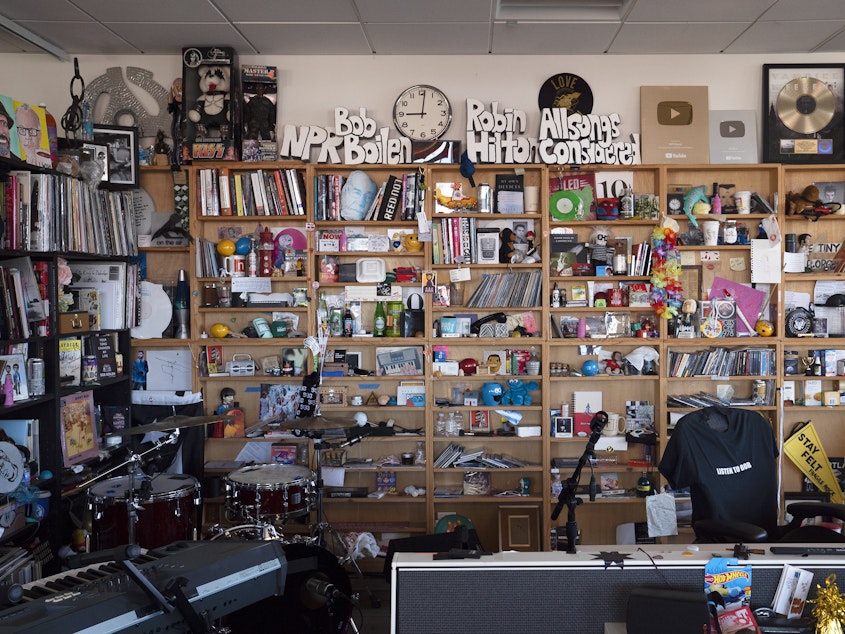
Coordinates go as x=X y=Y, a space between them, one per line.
x=167 y=513
x=270 y=490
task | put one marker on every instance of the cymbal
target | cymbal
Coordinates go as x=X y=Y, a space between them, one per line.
x=169 y=423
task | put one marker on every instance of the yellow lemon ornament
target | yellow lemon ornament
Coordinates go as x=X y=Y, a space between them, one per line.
x=219 y=330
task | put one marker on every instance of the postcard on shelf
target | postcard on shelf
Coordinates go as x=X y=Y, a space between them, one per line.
x=13 y=368
x=79 y=427
x=399 y=361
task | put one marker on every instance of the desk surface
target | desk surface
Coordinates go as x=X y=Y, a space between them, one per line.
x=675 y=556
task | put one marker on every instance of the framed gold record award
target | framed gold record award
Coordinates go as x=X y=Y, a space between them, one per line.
x=803 y=113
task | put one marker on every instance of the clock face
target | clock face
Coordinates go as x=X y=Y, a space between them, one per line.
x=422 y=113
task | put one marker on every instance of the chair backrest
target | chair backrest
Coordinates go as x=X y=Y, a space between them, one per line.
x=727 y=457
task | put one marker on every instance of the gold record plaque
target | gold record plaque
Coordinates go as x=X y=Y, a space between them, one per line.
x=803 y=113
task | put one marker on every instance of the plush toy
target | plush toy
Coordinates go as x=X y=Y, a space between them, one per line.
x=517 y=392
x=211 y=110
x=600 y=254
x=796 y=203
x=507 y=250
x=696 y=203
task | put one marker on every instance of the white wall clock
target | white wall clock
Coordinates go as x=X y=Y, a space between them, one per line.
x=422 y=113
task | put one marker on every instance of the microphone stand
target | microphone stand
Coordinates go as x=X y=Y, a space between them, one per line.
x=568 y=495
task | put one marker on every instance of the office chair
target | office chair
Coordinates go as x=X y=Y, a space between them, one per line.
x=728 y=459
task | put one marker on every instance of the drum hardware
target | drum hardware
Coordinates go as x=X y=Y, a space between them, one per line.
x=170 y=423
x=322 y=529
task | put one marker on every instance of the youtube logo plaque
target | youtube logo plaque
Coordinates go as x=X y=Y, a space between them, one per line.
x=733 y=136
x=674 y=121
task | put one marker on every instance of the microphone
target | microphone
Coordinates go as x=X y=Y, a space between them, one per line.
x=325 y=589
x=119 y=553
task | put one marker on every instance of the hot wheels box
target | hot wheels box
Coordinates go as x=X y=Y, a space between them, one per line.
x=211 y=105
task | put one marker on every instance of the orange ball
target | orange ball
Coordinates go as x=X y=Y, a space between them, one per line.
x=225 y=247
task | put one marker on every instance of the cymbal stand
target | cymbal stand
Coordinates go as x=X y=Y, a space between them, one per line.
x=322 y=527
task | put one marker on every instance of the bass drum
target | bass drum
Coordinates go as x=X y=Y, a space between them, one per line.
x=300 y=610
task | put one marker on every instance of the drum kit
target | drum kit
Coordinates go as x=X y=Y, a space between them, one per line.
x=153 y=511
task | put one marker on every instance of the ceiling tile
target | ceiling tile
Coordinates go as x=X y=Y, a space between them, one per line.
x=430 y=39
x=167 y=39
x=306 y=39
x=429 y=11
x=792 y=37
x=288 y=10
x=190 y=11
x=10 y=43
x=531 y=38
x=41 y=10
x=686 y=11
x=834 y=44
x=87 y=38
x=785 y=10
x=674 y=39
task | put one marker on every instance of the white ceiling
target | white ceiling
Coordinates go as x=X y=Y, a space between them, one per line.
x=418 y=27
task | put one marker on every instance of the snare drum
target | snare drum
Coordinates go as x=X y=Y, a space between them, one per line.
x=270 y=490
x=168 y=513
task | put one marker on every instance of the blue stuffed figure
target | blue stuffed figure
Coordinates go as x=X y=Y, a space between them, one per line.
x=517 y=392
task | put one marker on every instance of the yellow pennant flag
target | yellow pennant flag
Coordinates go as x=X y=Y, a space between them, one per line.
x=805 y=449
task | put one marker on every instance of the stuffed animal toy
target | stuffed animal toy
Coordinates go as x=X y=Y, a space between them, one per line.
x=507 y=250
x=797 y=204
x=600 y=254
x=696 y=203
x=517 y=392
x=211 y=110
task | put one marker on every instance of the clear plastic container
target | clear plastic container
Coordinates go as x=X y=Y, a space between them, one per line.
x=440 y=424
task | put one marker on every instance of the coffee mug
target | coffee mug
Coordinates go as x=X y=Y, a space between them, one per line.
x=234 y=265
x=615 y=425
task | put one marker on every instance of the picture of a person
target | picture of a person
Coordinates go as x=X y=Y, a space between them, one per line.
x=8 y=468
x=520 y=231
x=429 y=283
x=140 y=368
x=227 y=400
x=30 y=137
x=16 y=378
x=120 y=161
x=6 y=125
x=357 y=195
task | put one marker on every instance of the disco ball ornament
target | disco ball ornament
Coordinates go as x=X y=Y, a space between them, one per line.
x=242 y=246
x=589 y=368
x=226 y=247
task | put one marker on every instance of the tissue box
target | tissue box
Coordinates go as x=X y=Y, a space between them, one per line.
x=528 y=431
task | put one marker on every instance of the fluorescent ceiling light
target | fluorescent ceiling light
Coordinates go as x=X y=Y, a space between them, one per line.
x=562 y=10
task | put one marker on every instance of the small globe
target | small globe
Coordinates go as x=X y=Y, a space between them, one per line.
x=242 y=246
x=226 y=247
x=589 y=368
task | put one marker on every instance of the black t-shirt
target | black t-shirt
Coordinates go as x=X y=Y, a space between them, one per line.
x=728 y=459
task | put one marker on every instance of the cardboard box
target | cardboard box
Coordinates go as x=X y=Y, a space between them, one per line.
x=812 y=392
x=259 y=112
x=211 y=116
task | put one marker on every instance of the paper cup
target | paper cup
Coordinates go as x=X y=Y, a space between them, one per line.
x=531 y=196
x=743 y=202
x=710 y=229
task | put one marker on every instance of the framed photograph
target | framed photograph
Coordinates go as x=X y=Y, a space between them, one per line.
x=79 y=428
x=13 y=373
x=519 y=528
x=122 y=144
x=832 y=192
x=803 y=113
x=563 y=427
x=332 y=396
x=99 y=154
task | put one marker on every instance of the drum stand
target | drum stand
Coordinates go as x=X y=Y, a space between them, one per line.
x=322 y=529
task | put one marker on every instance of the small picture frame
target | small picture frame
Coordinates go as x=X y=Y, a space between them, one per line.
x=13 y=372
x=99 y=154
x=122 y=144
x=479 y=422
x=332 y=396
x=563 y=427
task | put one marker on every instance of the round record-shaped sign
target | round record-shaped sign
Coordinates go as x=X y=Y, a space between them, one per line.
x=566 y=90
x=11 y=467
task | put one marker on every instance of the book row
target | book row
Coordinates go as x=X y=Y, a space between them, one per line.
x=358 y=197
x=271 y=192
x=722 y=362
